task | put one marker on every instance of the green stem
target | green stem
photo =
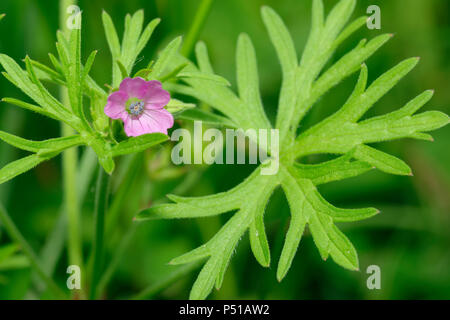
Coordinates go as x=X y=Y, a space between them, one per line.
x=116 y=259
x=134 y=167
x=69 y=169
x=196 y=26
x=101 y=204
x=15 y=234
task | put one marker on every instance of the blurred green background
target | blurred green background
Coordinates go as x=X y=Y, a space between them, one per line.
x=410 y=240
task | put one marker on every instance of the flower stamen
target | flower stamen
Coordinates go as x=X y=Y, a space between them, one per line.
x=136 y=108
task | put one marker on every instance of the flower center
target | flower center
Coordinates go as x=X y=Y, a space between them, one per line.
x=135 y=107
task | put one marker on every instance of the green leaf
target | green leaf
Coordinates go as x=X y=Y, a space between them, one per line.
x=377 y=89
x=30 y=107
x=15 y=168
x=281 y=39
x=111 y=35
x=382 y=161
x=138 y=144
x=46 y=99
x=74 y=77
x=88 y=66
x=54 y=75
x=172 y=74
x=258 y=238
x=15 y=262
x=194 y=255
x=145 y=37
x=337 y=19
x=347 y=65
x=201 y=53
x=284 y=46
x=204 y=76
x=247 y=78
x=123 y=70
x=299 y=218
x=165 y=58
x=302 y=86
x=23 y=82
x=133 y=28
x=42 y=147
x=195 y=207
x=333 y=170
x=330 y=241
x=7 y=251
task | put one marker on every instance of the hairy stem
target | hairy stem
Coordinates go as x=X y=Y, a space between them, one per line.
x=101 y=205
x=69 y=168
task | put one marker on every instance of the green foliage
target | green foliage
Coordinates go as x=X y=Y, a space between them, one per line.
x=304 y=82
x=68 y=70
x=10 y=259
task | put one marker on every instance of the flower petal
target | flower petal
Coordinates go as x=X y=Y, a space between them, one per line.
x=115 y=107
x=150 y=122
x=155 y=97
x=161 y=120
x=133 y=127
x=134 y=87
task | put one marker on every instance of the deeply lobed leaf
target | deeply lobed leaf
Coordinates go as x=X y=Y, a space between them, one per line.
x=304 y=82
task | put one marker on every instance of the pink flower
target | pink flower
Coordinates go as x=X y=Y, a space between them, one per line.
x=140 y=105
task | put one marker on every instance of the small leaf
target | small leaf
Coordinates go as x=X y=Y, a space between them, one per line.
x=46 y=99
x=165 y=58
x=349 y=30
x=20 y=166
x=145 y=37
x=192 y=256
x=31 y=107
x=248 y=79
x=133 y=28
x=205 y=280
x=258 y=240
x=174 y=211
x=7 y=251
x=15 y=262
x=88 y=65
x=205 y=76
x=337 y=18
x=378 y=89
x=382 y=161
x=23 y=82
x=201 y=53
x=347 y=65
x=42 y=147
x=49 y=71
x=299 y=217
x=338 y=169
x=172 y=74
x=281 y=39
x=122 y=68
x=111 y=35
